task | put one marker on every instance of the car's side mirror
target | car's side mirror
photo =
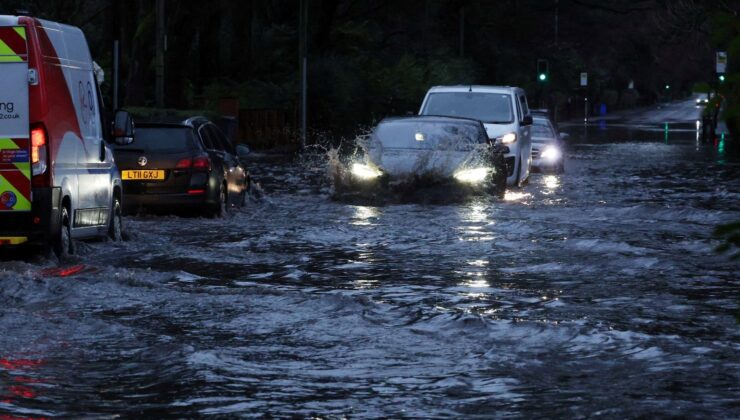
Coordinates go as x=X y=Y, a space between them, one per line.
x=242 y=151
x=527 y=120
x=123 y=128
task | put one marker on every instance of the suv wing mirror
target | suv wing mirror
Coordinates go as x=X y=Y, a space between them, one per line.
x=242 y=151
x=527 y=120
x=123 y=128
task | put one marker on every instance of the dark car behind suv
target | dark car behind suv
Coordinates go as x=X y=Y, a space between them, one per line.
x=189 y=165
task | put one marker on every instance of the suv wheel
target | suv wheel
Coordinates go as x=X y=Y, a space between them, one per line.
x=221 y=205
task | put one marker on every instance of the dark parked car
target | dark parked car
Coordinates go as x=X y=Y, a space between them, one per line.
x=183 y=166
x=417 y=151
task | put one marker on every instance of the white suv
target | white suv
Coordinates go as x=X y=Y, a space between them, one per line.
x=503 y=111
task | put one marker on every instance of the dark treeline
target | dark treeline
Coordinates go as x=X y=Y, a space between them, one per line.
x=372 y=58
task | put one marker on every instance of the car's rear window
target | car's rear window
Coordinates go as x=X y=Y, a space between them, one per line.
x=428 y=135
x=162 y=139
x=487 y=107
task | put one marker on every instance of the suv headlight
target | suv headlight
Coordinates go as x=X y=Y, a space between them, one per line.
x=551 y=153
x=365 y=171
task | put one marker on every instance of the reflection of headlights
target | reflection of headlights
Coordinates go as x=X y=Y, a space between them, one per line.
x=472 y=176
x=508 y=138
x=550 y=153
x=364 y=171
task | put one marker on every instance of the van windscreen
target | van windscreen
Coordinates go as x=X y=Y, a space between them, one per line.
x=488 y=107
x=161 y=139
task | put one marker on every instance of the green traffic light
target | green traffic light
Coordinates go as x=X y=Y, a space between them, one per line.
x=543 y=77
x=667 y=87
x=721 y=78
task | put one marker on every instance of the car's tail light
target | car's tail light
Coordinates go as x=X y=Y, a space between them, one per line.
x=198 y=162
x=202 y=162
x=184 y=163
x=39 y=156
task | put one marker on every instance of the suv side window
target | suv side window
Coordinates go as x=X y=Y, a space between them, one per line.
x=525 y=107
x=205 y=135
x=222 y=143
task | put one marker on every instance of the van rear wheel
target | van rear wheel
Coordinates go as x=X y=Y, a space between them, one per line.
x=64 y=246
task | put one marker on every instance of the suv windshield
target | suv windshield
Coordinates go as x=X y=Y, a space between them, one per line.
x=439 y=135
x=487 y=107
x=541 y=128
x=161 y=139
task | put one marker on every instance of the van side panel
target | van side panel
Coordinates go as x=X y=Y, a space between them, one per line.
x=55 y=109
x=93 y=170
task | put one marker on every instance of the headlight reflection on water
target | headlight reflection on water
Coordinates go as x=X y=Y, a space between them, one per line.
x=516 y=196
x=474 y=221
x=552 y=182
x=364 y=215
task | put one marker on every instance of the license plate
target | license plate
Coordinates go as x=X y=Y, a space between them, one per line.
x=142 y=175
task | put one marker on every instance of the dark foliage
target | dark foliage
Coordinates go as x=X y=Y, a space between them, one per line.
x=372 y=58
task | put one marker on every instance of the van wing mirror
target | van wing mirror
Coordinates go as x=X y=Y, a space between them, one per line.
x=527 y=120
x=123 y=128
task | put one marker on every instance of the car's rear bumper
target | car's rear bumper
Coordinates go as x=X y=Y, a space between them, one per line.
x=37 y=227
x=175 y=201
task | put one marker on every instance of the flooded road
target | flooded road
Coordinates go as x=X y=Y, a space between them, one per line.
x=592 y=293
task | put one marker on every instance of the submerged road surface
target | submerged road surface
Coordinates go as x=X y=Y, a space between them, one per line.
x=593 y=293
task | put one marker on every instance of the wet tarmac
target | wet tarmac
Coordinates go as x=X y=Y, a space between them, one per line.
x=593 y=293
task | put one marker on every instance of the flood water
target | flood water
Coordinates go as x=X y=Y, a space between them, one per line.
x=592 y=293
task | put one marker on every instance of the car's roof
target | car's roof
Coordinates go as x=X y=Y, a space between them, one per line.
x=477 y=88
x=170 y=121
x=432 y=118
x=161 y=125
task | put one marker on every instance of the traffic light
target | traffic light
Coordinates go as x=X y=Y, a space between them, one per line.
x=543 y=71
x=721 y=77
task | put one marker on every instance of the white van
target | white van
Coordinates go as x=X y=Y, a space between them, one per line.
x=503 y=111
x=58 y=179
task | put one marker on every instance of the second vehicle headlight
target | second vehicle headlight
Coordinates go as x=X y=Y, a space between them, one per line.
x=551 y=153
x=363 y=171
x=473 y=175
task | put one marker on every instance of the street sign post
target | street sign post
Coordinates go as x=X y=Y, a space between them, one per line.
x=721 y=61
